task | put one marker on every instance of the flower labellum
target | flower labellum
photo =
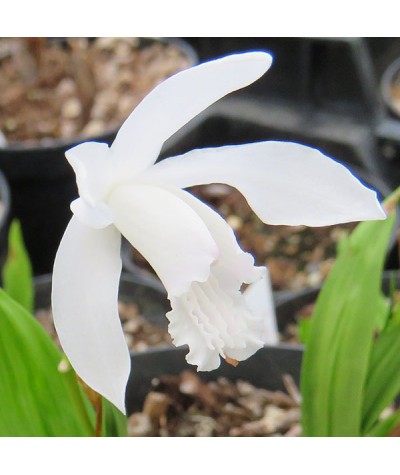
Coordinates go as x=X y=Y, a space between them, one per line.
x=123 y=191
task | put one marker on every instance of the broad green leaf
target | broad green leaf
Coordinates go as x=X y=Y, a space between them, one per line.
x=17 y=271
x=349 y=310
x=37 y=396
x=383 y=382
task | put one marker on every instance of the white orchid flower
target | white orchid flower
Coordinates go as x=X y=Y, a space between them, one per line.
x=192 y=249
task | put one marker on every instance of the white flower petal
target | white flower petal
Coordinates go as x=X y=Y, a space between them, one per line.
x=284 y=183
x=93 y=169
x=179 y=99
x=167 y=232
x=214 y=321
x=84 y=300
x=235 y=266
x=260 y=301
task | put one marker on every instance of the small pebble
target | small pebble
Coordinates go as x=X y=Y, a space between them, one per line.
x=235 y=222
x=94 y=127
x=10 y=124
x=66 y=88
x=71 y=109
x=139 y=425
x=131 y=326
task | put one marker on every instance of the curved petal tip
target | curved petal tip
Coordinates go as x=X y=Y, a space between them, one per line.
x=262 y=57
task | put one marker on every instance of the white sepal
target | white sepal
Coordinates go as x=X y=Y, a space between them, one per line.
x=85 y=308
x=284 y=183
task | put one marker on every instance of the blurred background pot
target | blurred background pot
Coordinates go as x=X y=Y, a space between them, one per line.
x=41 y=180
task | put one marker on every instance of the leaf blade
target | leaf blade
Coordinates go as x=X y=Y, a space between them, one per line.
x=17 y=271
x=35 y=397
x=383 y=382
x=349 y=309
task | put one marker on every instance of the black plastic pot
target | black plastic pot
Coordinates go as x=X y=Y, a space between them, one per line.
x=264 y=369
x=43 y=185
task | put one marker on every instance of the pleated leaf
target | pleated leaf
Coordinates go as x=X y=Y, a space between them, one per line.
x=349 y=310
x=37 y=397
x=383 y=382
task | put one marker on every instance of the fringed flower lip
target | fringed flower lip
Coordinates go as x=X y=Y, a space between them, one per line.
x=193 y=250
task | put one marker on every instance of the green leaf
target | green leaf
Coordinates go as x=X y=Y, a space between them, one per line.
x=114 y=422
x=349 y=310
x=384 y=427
x=17 y=272
x=394 y=315
x=37 y=397
x=304 y=328
x=383 y=382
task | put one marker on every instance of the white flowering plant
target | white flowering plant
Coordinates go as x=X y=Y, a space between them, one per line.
x=124 y=191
